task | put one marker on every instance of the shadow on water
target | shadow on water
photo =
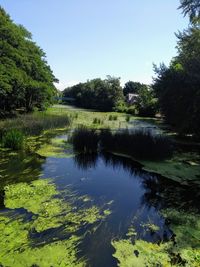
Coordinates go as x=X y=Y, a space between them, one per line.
x=138 y=196
x=134 y=197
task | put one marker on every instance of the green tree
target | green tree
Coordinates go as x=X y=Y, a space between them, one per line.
x=98 y=94
x=26 y=80
x=178 y=86
x=192 y=9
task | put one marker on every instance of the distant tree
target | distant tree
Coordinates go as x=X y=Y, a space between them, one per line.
x=132 y=87
x=97 y=94
x=26 y=80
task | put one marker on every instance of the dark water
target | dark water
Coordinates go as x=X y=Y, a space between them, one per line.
x=137 y=196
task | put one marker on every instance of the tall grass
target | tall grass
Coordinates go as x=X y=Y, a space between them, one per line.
x=141 y=144
x=13 y=139
x=35 y=123
x=85 y=140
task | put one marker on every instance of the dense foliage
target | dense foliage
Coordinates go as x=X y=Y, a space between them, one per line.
x=178 y=86
x=191 y=8
x=145 y=104
x=97 y=94
x=26 y=80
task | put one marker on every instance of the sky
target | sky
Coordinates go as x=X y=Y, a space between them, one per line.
x=86 y=39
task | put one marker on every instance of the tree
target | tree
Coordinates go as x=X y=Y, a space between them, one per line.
x=26 y=80
x=98 y=94
x=192 y=9
x=178 y=86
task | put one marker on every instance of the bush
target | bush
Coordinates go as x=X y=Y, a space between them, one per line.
x=13 y=139
x=132 y=110
x=85 y=140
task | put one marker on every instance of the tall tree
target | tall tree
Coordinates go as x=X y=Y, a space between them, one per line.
x=26 y=80
x=192 y=9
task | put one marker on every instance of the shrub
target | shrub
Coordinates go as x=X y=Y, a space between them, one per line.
x=85 y=140
x=13 y=139
x=132 y=110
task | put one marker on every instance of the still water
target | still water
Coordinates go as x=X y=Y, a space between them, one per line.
x=123 y=192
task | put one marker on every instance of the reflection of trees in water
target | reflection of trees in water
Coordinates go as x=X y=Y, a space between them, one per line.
x=160 y=192
x=86 y=161
x=165 y=193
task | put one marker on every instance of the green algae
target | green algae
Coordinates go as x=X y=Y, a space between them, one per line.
x=183 y=167
x=57 y=148
x=140 y=254
x=17 y=251
x=49 y=209
x=183 y=251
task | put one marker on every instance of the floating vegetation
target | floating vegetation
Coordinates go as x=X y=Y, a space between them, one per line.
x=182 y=167
x=39 y=207
x=57 y=148
x=182 y=250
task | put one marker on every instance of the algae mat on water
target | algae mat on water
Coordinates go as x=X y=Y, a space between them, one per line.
x=183 y=251
x=39 y=226
x=56 y=148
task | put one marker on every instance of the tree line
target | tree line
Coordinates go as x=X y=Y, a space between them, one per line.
x=178 y=85
x=26 y=80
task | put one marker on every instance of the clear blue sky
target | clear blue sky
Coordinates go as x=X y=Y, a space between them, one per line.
x=85 y=39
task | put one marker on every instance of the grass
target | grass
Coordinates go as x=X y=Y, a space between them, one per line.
x=85 y=140
x=13 y=139
x=140 y=144
x=35 y=123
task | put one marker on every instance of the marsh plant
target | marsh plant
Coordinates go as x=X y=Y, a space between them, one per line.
x=97 y=121
x=85 y=140
x=112 y=117
x=36 y=123
x=13 y=139
x=142 y=144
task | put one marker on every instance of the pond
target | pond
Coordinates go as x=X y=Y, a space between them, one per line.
x=68 y=211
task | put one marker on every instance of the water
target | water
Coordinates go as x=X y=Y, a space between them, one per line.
x=134 y=198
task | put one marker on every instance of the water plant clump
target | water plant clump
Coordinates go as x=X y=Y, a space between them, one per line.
x=36 y=123
x=85 y=140
x=13 y=139
x=39 y=208
x=142 y=144
x=181 y=250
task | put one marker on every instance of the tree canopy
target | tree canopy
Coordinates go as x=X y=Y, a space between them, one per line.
x=192 y=9
x=26 y=80
x=178 y=86
x=98 y=94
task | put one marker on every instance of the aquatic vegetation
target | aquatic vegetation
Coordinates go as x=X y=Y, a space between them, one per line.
x=85 y=140
x=149 y=226
x=182 y=250
x=17 y=249
x=141 y=253
x=36 y=123
x=44 y=208
x=139 y=144
x=182 y=167
x=57 y=148
x=13 y=139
